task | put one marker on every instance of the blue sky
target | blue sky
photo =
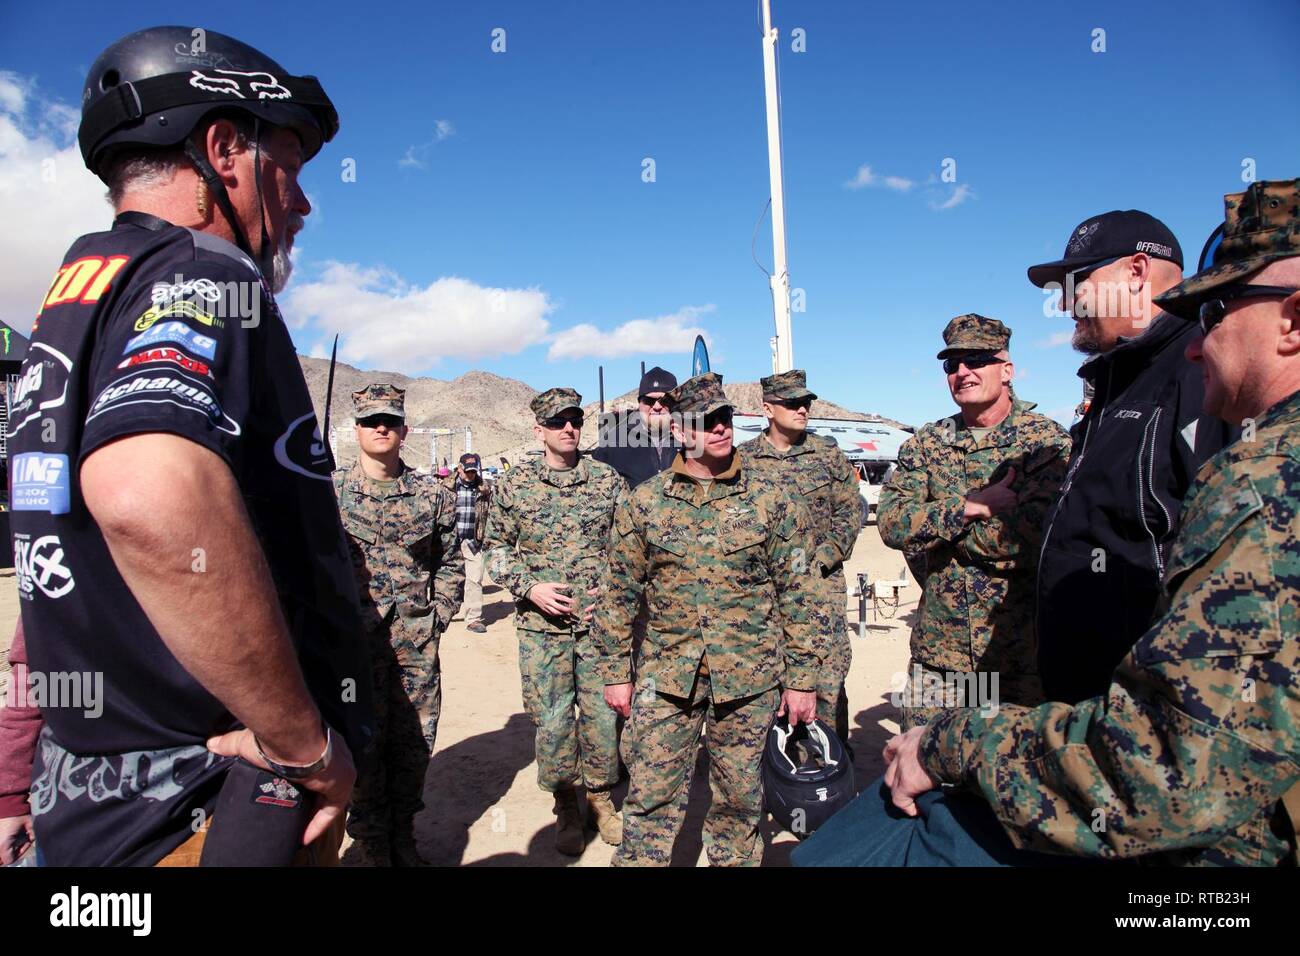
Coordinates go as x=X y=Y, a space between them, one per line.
x=499 y=218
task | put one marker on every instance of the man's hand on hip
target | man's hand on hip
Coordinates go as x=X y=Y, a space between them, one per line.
x=549 y=598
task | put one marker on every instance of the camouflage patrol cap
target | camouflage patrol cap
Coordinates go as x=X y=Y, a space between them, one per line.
x=974 y=333
x=1260 y=225
x=553 y=401
x=379 y=399
x=699 y=395
x=786 y=385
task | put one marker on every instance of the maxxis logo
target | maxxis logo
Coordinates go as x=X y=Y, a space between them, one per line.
x=39 y=565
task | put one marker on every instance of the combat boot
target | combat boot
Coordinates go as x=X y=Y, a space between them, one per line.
x=603 y=818
x=568 y=823
x=368 y=853
x=406 y=854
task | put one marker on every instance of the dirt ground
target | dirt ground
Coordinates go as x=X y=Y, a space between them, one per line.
x=483 y=806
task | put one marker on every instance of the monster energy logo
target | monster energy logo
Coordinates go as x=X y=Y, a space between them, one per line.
x=5 y=332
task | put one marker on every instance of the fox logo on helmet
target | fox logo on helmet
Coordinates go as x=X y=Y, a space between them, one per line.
x=263 y=86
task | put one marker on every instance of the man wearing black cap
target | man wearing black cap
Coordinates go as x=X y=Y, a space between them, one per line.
x=472 y=498
x=1135 y=452
x=642 y=444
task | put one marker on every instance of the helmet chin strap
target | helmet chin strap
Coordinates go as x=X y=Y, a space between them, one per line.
x=266 y=261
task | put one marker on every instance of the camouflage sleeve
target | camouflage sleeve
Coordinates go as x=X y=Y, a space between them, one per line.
x=908 y=520
x=449 y=580
x=846 y=513
x=1018 y=534
x=803 y=614
x=1198 y=734
x=503 y=564
x=622 y=587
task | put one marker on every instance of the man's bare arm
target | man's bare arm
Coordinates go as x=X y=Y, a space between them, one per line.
x=156 y=498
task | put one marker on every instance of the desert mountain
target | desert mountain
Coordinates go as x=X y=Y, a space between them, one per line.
x=493 y=407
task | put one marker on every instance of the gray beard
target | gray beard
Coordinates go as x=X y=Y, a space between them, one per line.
x=281 y=269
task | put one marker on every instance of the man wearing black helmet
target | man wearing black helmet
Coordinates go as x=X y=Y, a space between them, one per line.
x=174 y=525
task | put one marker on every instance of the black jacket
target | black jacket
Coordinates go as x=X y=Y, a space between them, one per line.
x=625 y=447
x=1134 y=455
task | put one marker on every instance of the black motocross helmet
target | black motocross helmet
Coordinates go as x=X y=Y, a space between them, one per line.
x=153 y=87
x=807 y=776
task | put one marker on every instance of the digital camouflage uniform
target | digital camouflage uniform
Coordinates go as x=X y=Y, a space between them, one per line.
x=1193 y=755
x=402 y=535
x=977 y=578
x=551 y=525
x=816 y=471
x=733 y=616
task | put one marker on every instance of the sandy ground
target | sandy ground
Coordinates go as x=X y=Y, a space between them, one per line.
x=483 y=806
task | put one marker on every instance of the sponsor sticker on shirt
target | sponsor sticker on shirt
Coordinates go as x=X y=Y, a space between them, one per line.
x=40 y=482
x=183 y=309
x=177 y=332
x=167 y=354
x=39 y=565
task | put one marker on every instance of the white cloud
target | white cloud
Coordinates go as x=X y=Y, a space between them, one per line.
x=866 y=177
x=47 y=196
x=663 y=335
x=417 y=155
x=1056 y=339
x=959 y=194
x=388 y=323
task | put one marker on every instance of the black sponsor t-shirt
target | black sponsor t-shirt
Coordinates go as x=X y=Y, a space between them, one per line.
x=151 y=327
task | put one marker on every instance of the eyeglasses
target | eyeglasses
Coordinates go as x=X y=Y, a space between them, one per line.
x=663 y=401
x=391 y=422
x=559 y=421
x=1212 y=311
x=792 y=404
x=972 y=362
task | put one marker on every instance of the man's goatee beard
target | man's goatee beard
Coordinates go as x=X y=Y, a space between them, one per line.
x=281 y=269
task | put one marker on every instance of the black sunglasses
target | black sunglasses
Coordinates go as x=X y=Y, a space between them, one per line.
x=1213 y=310
x=792 y=404
x=559 y=421
x=972 y=362
x=663 y=401
x=1075 y=276
x=391 y=422
x=721 y=416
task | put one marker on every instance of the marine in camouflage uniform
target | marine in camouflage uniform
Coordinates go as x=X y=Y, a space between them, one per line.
x=402 y=535
x=1193 y=755
x=815 y=469
x=976 y=617
x=550 y=524
x=733 y=616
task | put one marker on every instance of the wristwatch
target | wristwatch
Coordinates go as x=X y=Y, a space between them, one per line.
x=300 y=773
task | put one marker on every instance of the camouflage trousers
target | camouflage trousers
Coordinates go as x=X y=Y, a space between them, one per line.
x=931 y=691
x=659 y=746
x=558 y=673
x=407 y=680
x=832 y=701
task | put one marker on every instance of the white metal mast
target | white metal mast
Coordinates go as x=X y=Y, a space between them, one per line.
x=783 y=354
